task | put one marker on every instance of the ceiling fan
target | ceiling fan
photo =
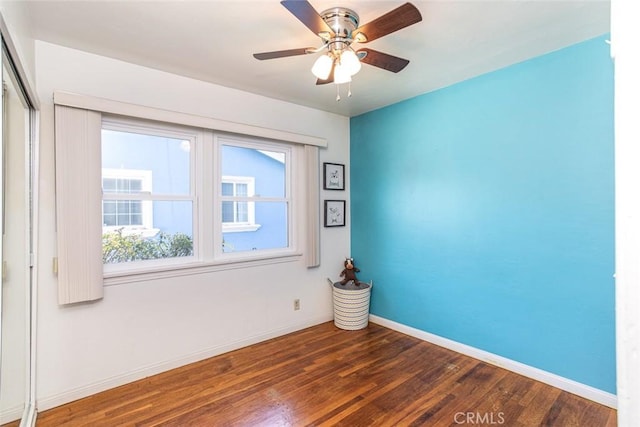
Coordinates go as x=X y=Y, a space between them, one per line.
x=339 y=28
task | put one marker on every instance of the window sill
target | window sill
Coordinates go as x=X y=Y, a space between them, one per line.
x=188 y=269
x=232 y=228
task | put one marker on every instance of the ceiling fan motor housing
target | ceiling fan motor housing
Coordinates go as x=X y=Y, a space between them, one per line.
x=342 y=21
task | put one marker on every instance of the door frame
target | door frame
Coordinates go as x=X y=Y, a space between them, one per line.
x=9 y=48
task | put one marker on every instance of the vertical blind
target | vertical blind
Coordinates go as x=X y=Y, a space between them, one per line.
x=78 y=204
x=313 y=206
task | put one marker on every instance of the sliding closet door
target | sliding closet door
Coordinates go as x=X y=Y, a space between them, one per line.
x=16 y=248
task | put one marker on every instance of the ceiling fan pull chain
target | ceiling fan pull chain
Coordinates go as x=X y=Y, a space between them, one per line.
x=337 y=93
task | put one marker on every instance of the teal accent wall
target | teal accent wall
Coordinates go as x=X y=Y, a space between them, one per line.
x=484 y=212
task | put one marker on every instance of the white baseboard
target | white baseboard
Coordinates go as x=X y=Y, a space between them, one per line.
x=109 y=383
x=554 y=380
x=11 y=414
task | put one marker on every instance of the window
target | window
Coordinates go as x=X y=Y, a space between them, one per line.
x=254 y=197
x=147 y=194
x=151 y=187
x=129 y=215
x=183 y=197
x=238 y=216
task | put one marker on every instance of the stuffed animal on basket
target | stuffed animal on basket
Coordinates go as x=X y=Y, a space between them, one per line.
x=349 y=272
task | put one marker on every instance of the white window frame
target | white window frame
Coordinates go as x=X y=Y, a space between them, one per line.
x=292 y=193
x=242 y=226
x=144 y=127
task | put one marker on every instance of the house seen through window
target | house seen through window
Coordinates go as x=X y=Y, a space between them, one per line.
x=126 y=214
x=122 y=212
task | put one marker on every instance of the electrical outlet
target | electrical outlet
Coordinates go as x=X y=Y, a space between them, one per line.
x=296 y=304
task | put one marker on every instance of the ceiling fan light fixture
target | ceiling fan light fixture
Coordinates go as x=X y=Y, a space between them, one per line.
x=322 y=67
x=341 y=74
x=350 y=61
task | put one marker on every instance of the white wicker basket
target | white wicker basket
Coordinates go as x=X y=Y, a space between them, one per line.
x=351 y=305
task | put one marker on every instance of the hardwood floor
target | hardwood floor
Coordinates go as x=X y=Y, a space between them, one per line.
x=324 y=376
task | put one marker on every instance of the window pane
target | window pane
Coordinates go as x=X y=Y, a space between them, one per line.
x=227 y=212
x=109 y=185
x=267 y=168
x=227 y=189
x=145 y=163
x=242 y=190
x=170 y=236
x=271 y=234
x=135 y=185
x=123 y=219
x=109 y=207
x=109 y=220
x=242 y=212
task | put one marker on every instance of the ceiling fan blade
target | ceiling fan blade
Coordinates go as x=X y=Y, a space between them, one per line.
x=328 y=79
x=303 y=10
x=283 y=53
x=397 y=19
x=382 y=60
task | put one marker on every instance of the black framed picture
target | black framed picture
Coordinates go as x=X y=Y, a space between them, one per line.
x=334 y=213
x=333 y=176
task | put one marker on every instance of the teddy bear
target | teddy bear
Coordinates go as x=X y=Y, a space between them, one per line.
x=349 y=272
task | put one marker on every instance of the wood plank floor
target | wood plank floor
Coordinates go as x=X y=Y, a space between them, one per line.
x=324 y=376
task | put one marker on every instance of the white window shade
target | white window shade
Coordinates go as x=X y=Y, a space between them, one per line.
x=78 y=204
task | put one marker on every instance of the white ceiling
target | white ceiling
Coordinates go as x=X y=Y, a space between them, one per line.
x=214 y=40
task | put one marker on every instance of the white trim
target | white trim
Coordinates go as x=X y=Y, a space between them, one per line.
x=228 y=227
x=12 y=414
x=49 y=402
x=624 y=34
x=143 y=112
x=582 y=390
x=166 y=270
x=29 y=416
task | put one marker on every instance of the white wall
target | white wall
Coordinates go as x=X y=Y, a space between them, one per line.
x=145 y=327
